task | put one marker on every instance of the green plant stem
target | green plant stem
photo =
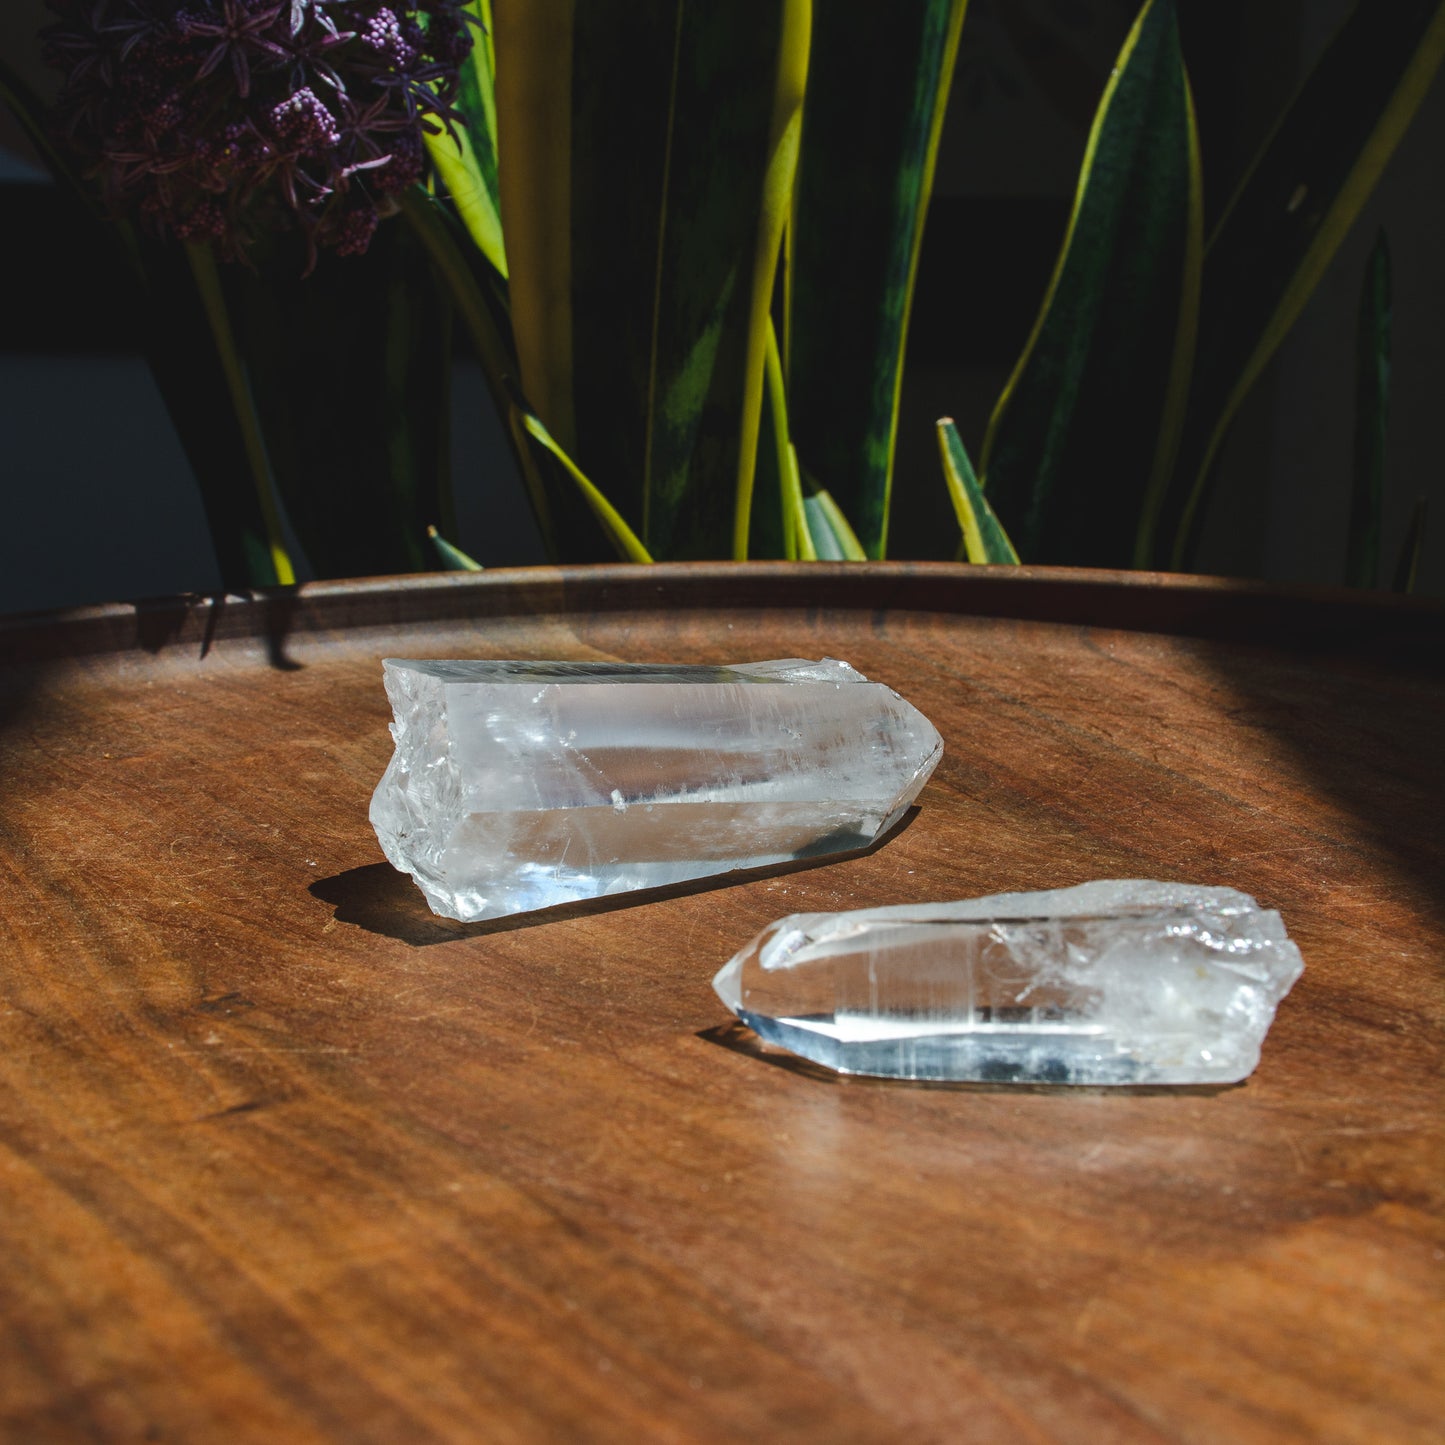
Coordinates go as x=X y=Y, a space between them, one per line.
x=208 y=284
x=499 y=367
x=779 y=187
x=797 y=541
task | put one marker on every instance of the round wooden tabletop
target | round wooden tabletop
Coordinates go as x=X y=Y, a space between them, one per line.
x=284 y=1157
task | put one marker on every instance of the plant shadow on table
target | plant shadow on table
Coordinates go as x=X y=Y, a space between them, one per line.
x=38 y=647
x=1366 y=734
x=382 y=900
x=737 y=1038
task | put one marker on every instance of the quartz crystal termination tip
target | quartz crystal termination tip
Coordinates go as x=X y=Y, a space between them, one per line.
x=520 y=785
x=1113 y=982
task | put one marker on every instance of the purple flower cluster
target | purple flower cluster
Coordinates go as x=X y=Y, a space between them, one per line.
x=223 y=120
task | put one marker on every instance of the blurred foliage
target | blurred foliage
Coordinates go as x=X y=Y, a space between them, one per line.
x=683 y=241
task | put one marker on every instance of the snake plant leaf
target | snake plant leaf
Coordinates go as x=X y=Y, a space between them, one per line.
x=1372 y=406
x=608 y=519
x=832 y=536
x=1287 y=220
x=452 y=558
x=984 y=539
x=877 y=88
x=1089 y=419
x=799 y=536
x=465 y=156
x=554 y=481
x=773 y=522
x=646 y=154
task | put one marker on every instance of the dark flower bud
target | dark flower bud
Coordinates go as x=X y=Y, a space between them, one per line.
x=302 y=123
x=223 y=119
x=352 y=235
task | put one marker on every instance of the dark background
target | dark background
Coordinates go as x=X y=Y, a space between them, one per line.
x=100 y=503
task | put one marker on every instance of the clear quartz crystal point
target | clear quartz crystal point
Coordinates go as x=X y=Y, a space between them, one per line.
x=1127 y=982
x=518 y=785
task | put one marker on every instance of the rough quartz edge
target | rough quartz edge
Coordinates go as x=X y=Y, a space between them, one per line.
x=785 y=939
x=790 y=937
x=1082 y=900
x=416 y=689
x=520 y=672
x=420 y=781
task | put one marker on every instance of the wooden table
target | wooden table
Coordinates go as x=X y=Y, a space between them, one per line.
x=285 y=1158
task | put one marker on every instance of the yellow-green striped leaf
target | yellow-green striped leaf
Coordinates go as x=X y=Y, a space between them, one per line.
x=984 y=539
x=465 y=156
x=877 y=89
x=1091 y=413
x=646 y=151
x=777 y=527
x=604 y=513
x=452 y=558
x=833 y=538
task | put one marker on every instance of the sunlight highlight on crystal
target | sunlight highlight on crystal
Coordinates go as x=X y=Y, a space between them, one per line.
x=519 y=785
x=1129 y=982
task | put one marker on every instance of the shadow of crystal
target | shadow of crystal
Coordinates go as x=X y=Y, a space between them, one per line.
x=382 y=900
x=737 y=1038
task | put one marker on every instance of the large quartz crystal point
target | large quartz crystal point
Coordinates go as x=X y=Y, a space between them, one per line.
x=517 y=785
x=1108 y=983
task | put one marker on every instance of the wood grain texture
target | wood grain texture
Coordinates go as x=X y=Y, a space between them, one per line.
x=283 y=1157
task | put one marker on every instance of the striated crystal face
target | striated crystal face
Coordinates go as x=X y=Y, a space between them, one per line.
x=1126 y=982
x=518 y=785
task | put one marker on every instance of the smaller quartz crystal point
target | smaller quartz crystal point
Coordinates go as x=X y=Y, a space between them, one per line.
x=1109 y=983
x=519 y=785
